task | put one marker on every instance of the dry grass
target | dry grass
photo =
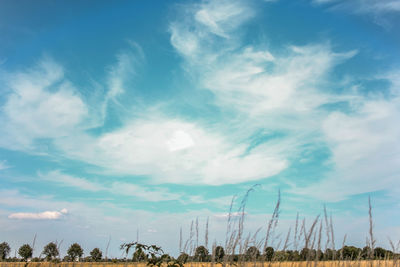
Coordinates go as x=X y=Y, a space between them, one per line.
x=386 y=263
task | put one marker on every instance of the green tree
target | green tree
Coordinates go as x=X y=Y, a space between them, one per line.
x=25 y=251
x=50 y=251
x=96 y=254
x=269 y=253
x=139 y=256
x=281 y=256
x=366 y=253
x=201 y=254
x=305 y=254
x=75 y=252
x=252 y=254
x=293 y=255
x=219 y=253
x=183 y=258
x=350 y=253
x=4 y=250
x=380 y=253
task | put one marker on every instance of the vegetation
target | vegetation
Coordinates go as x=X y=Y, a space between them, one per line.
x=25 y=251
x=50 y=251
x=201 y=254
x=4 y=250
x=75 y=252
x=96 y=254
x=315 y=244
x=219 y=253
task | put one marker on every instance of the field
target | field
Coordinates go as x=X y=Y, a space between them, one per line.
x=386 y=263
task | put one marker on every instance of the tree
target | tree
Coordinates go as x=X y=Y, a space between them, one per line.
x=4 y=250
x=281 y=255
x=25 y=251
x=305 y=254
x=252 y=254
x=139 y=256
x=201 y=254
x=75 y=252
x=269 y=253
x=293 y=255
x=183 y=258
x=350 y=253
x=96 y=254
x=366 y=253
x=50 y=251
x=380 y=253
x=330 y=254
x=219 y=253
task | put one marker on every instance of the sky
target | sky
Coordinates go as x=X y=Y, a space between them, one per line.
x=127 y=120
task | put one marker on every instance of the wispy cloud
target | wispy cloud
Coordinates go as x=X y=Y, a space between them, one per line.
x=71 y=181
x=150 y=147
x=46 y=215
x=4 y=165
x=116 y=188
x=363 y=6
x=365 y=147
x=40 y=104
x=124 y=70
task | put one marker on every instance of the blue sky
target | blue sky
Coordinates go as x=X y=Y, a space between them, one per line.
x=129 y=117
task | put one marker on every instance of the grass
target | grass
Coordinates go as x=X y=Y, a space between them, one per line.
x=318 y=236
x=361 y=263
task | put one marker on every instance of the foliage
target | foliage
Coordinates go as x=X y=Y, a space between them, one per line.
x=330 y=254
x=4 y=250
x=183 y=257
x=25 y=251
x=96 y=254
x=252 y=254
x=219 y=254
x=350 y=253
x=153 y=254
x=381 y=253
x=201 y=254
x=269 y=253
x=75 y=251
x=50 y=251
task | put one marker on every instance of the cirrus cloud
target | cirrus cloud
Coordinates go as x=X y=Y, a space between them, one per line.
x=46 y=215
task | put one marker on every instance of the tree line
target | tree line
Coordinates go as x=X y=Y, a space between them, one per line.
x=50 y=253
x=154 y=254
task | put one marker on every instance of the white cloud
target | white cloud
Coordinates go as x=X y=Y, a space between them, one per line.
x=145 y=193
x=4 y=165
x=204 y=24
x=365 y=149
x=116 y=188
x=71 y=181
x=180 y=140
x=124 y=70
x=364 y=6
x=281 y=92
x=232 y=215
x=41 y=104
x=46 y=215
x=143 y=147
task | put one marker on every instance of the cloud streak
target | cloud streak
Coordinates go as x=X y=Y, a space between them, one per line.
x=46 y=215
x=41 y=104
